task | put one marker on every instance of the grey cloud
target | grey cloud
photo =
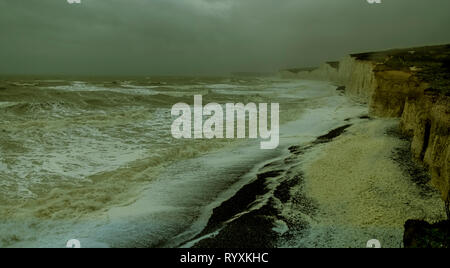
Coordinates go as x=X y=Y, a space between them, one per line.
x=146 y=37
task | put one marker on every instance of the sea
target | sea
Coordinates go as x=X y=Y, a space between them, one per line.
x=93 y=159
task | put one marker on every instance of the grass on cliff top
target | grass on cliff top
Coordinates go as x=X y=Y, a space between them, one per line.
x=433 y=63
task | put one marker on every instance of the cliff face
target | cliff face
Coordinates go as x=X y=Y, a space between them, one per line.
x=413 y=84
x=358 y=77
x=324 y=73
x=427 y=120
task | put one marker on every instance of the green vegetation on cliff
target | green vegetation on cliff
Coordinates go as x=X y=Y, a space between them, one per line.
x=432 y=64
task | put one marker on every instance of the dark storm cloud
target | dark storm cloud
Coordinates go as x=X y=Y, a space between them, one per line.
x=206 y=36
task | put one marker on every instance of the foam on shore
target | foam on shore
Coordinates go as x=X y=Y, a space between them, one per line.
x=361 y=192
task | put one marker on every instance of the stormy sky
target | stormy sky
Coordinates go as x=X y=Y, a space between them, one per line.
x=208 y=37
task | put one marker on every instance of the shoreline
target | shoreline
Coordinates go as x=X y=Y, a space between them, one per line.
x=252 y=218
x=304 y=211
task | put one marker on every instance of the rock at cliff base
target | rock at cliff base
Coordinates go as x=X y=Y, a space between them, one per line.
x=421 y=234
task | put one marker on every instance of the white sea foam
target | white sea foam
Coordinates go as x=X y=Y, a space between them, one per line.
x=222 y=86
x=6 y=104
x=360 y=193
x=79 y=86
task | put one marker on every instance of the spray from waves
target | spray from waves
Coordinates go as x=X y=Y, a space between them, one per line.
x=6 y=104
x=126 y=88
x=69 y=202
x=38 y=108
